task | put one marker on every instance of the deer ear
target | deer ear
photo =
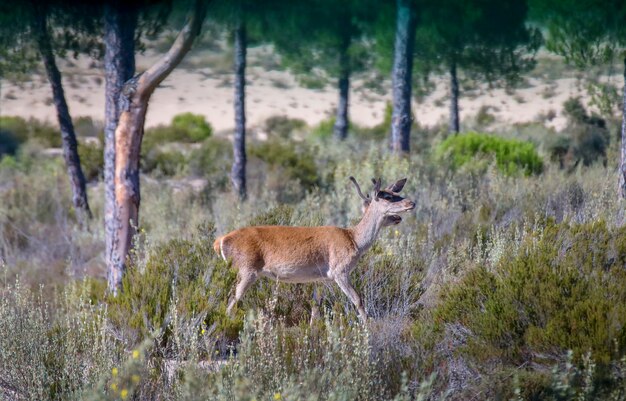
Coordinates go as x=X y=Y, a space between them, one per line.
x=397 y=187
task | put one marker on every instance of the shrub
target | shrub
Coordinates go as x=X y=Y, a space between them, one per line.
x=214 y=157
x=186 y=128
x=91 y=160
x=512 y=156
x=163 y=162
x=22 y=130
x=565 y=289
x=181 y=279
x=283 y=126
x=324 y=129
x=586 y=137
x=52 y=352
x=296 y=163
x=86 y=126
x=194 y=125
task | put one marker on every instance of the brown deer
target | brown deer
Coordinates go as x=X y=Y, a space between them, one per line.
x=309 y=254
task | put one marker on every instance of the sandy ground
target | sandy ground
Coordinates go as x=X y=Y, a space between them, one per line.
x=207 y=89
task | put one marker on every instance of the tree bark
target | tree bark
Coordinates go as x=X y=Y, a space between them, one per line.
x=342 y=121
x=119 y=64
x=455 y=125
x=401 y=77
x=68 y=136
x=238 y=173
x=133 y=105
x=622 y=178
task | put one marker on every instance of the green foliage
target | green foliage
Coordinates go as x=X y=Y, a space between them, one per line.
x=564 y=289
x=324 y=129
x=213 y=158
x=91 y=160
x=278 y=216
x=182 y=278
x=297 y=164
x=283 y=127
x=512 y=156
x=186 y=128
x=586 y=137
x=484 y=117
x=160 y=156
x=194 y=125
x=19 y=130
x=164 y=162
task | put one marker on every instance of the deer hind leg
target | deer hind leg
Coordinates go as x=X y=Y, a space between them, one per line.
x=246 y=279
x=315 y=308
x=344 y=283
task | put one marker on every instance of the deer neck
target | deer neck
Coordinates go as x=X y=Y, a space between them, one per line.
x=366 y=231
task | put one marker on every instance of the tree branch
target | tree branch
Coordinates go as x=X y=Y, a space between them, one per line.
x=151 y=78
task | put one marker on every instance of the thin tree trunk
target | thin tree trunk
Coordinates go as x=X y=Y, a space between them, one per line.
x=341 y=121
x=133 y=104
x=119 y=65
x=622 y=179
x=454 y=100
x=238 y=173
x=68 y=136
x=401 y=77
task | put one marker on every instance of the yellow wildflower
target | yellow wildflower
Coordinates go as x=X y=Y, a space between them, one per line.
x=114 y=372
x=135 y=354
x=114 y=386
x=277 y=396
x=124 y=394
x=135 y=379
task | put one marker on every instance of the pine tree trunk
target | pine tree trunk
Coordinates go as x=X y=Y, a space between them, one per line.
x=68 y=136
x=119 y=65
x=455 y=125
x=238 y=173
x=401 y=77
x=622 y=178
x=133 y=104
x=342 y=120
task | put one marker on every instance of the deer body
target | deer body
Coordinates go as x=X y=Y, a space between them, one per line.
x=308 y=254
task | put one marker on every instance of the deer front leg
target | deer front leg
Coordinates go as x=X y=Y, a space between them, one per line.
x=245 y=282
x=344 y=283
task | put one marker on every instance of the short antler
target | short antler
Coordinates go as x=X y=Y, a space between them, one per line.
x=377 y=185
x=358 y=189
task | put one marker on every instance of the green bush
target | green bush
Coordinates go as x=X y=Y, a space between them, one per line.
x=283 y=126
x=586 y=137
x=214 y=157
x=22 y=130
x=296 y=163
x=166 y=163
x=565 y=289
x=194 y=125
x=324 y=129
x=185 y=128
x=91 y=160
x=181 y=278
x=512 y=156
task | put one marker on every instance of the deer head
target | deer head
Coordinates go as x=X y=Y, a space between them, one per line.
x=386 y=202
